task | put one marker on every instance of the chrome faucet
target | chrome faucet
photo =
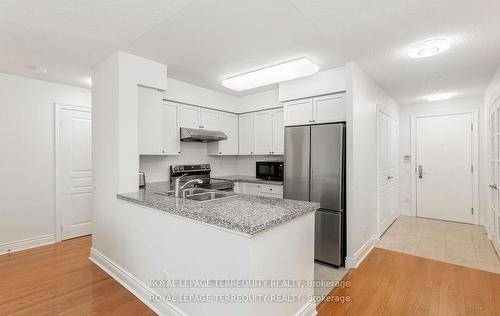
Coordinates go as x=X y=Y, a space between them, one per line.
x=178 y=188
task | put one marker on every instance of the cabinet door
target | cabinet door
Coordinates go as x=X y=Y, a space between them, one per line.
x=329 y=108
x=209 y=119
x=298 y=112
x=249 y=188
x=189 y=116
x=246 y=131
x=171 y=131
x=228 y=124
x=149 y=128
x=263 y=129
x=278 y=133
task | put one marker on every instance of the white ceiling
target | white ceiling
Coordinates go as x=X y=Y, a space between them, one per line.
x=203 y=42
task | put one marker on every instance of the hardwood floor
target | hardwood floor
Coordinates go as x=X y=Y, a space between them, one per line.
x=392 y=283
x=60 y=280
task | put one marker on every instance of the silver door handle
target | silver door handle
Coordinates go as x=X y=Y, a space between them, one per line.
x=420 y=172
x=390 y=177
x=493 y=186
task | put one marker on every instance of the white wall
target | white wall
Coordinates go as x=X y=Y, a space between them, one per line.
x=405 y=115
x=363 y=96
x=259 y=101
x=27 y=208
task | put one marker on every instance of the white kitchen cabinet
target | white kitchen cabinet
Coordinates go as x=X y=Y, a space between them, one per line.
x=268 y=190
x=324 y=109
x=196 y=117
x=246 y=134
x=149 y=122
x=263 y=131
x=298 y=112
x=248 y=188
x=329 y=108
x=189 y=116
x=209 y=119
x=228 y=124
x=278 y=133
x=171 y=132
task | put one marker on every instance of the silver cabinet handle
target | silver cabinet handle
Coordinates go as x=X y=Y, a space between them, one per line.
x=390 y=177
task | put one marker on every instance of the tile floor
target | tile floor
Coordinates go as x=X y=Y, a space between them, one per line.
x=325 y=272
x=462 y=244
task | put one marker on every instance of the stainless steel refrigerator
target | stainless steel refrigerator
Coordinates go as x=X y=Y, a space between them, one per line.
x=315 y=171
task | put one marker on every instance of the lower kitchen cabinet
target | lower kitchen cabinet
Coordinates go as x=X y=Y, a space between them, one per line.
x=267 y=190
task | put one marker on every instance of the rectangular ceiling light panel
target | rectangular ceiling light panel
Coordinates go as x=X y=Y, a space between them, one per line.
x=294 y=69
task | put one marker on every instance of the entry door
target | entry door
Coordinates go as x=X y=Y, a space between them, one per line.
x=75 y=174
x=387 y=171
x=494 y=170
x=444 y=167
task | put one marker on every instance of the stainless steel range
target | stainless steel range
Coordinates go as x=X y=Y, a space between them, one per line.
x=202 y=172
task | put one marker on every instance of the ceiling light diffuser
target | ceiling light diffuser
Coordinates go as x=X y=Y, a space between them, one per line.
x=293 y=69
x=429 y=47
x=438 y=96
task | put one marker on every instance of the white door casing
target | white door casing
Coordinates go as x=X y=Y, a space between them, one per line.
x=494 y=171
x=445 y=151
x=74 y=178
x=388 y=180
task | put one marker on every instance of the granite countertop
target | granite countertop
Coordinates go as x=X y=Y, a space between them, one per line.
x=243 y=213
x=250 y=179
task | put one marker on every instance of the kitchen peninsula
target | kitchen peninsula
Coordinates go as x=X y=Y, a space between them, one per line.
x=240 y=237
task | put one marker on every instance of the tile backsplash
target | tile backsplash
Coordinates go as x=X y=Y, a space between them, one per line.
x=156 y=168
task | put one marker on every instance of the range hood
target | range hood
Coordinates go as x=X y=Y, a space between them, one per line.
x=201 y=135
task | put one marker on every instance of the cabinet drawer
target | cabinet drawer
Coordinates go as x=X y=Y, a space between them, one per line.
x=272 y=189
x=276 y=196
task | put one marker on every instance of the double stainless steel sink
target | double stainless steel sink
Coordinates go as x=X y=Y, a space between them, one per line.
x=200 y=195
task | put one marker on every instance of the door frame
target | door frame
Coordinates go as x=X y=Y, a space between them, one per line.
x=58 y=109
x=475 y=159
x=394 y=116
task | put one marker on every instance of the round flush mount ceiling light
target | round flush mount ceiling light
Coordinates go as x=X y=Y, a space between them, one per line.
x=429 y=47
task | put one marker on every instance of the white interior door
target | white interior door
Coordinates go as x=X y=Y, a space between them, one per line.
x=388 y=209
x=494 y=168
x=444 y=167
x=75 y=180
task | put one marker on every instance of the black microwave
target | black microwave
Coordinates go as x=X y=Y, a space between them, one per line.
x=269 y=170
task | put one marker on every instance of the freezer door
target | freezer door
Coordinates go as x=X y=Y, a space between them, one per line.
x=327 y=165
x=296 y=177
x=328 y=237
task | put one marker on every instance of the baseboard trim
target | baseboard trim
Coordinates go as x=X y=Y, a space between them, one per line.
x=308 y=309
x=493 y=240
x=28 y=243
x=359 y=256
x=134 y=285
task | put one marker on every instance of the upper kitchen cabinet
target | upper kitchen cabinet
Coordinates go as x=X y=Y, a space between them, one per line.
x=246 y=131
x=228 y=124
x=158 y=130
x=298 y=112
x=278 y=133
x=149 y=124
x=329 y=108
x=209 y=119
x=196 y=117
x=261 y=133
x=171 y=131
x=324 y=109
x=189 y=116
